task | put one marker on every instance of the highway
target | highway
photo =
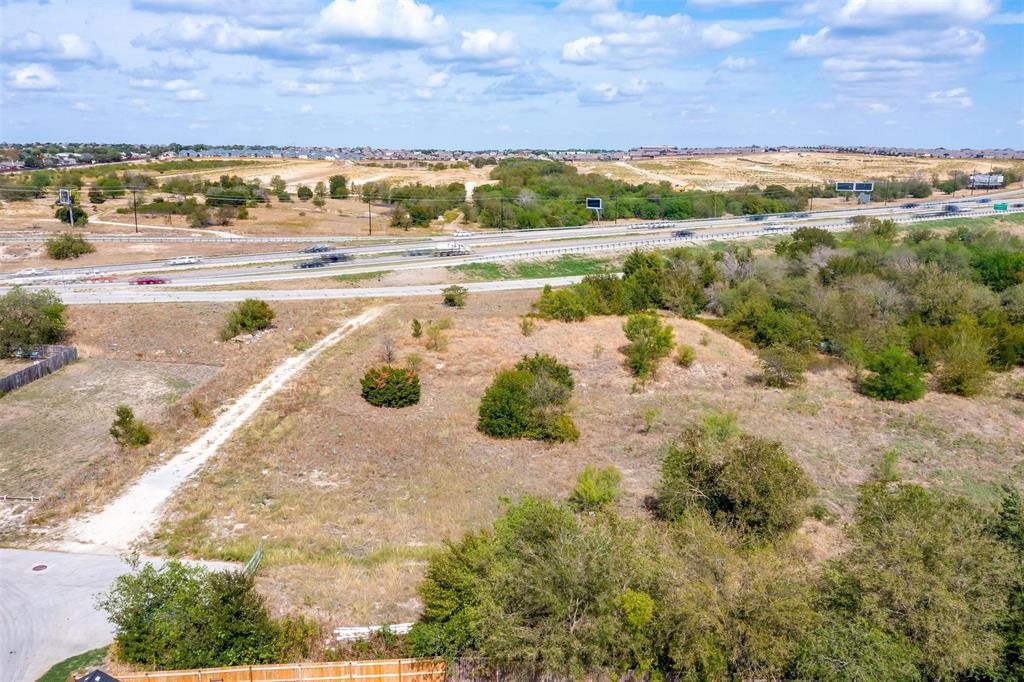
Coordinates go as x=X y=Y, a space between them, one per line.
x=483 y=247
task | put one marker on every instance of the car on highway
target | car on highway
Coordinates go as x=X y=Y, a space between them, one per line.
x=803 y=214
x=184 y=260
x=773 y=227
x=1018 y=205
x=148 y=279
x=31 y=272
x=306 y=264
x=683 y=234
x=318 y=248
x=462 y=233
x=908 y=205
x=336 y=257
x=756 y=218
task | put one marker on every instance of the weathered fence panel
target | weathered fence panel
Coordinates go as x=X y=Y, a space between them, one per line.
x=53 y=358
x=394 y=670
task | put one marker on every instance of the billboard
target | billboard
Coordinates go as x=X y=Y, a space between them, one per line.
x=855 y=187
x=594 y=203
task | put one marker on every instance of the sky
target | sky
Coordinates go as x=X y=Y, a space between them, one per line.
x=463 y=74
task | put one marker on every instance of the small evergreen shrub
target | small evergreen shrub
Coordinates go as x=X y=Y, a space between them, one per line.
x=781 y=366
x=595 y=488
x=68 y=245
x=417 y=329
x=685 y=355
x=251 y=315
x=528 y=401
x=893 y=374
x=128 y=431
x=389 y=386
x=454 y=296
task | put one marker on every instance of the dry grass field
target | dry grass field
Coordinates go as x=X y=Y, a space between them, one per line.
x=350 y=499
x=783 y=168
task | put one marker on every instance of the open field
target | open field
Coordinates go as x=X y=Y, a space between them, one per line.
x=788 y=169
x=349 y=500
x=58 y=424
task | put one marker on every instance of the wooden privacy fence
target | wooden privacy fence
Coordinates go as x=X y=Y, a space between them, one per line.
x=395 y=670
x=53 y=358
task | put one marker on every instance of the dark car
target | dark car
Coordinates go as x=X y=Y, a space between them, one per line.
x=908 y=205
x=682 y=234
x=149 y=279
x=984 y=200
x=336 y=257
x=303 y=265
x=318 y=248
x=756 y=218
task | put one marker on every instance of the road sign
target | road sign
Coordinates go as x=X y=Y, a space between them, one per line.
x=64 y=196
x=855 y=187
x=594 y=203
x=999 y=207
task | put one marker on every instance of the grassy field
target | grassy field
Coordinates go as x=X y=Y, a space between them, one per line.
x=83 y=662
x=563 y=266
x=349 y=500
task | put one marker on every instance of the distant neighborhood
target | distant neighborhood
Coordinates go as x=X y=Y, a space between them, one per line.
x=17 y=157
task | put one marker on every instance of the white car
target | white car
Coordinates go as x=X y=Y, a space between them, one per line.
x=462 y=233
x=31 y=272
x=184 y=260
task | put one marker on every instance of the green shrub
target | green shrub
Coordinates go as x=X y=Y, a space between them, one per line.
x=781 y=366
x=649 y=342
x=30 y=318
x=454 y=296
x=963 y=363
x=437 y=340
x=389 y=386
x=68 y=245
x=63 y=214
x=685 y=355
x=251 y=315
x=417 y=329
x=893 y=374
x=595 y=488
x=742 y=481
x=561 y=304
x=526 y=326
x=529 y=401
x=128 y=431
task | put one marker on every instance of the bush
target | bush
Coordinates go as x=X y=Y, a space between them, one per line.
x=781 y=366
x=685 y=355
x=181 y=616
x=127 y=431
x=389 y=386
x=417 y=329
x=68 y=245
x=894 y=374
x=304 y=193
x=64 y=215
x=30 y=318
x=436 y=338
x=595 y=488
x=526 y=326
x=529 y=401
x=454 y=296
x=739 y=480
x=249 y=316
x=650 y=341
x=963 y=364
x=561 y=304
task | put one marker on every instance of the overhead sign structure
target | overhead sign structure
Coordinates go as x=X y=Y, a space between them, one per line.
x=594 y=203
x=855 y=187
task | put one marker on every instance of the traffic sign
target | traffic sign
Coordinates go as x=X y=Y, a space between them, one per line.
x=64 y=196
x=999 y=207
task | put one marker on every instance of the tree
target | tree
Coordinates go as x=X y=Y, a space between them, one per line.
x=181 y=616
x=893 y=374
x=63 y=214
x=128 y=431
x=963 y=362
x=96 y=195
x=595 y=488
x=338 y=186
x=30 y=318
x=417 y=329
x=781 y=366
x=304 y=193
x=249 y=316
x=277 y=184
x=855 y=650
x=739 y=480
x=923 y=566
x=529 y=401
x=68 y=245
x=389 y=386
x=650 y=341
x=454 y=296
x=199 y=217
x=320 y=191
x=804 y=240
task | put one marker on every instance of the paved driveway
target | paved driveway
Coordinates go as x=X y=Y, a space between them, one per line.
x=50 y=614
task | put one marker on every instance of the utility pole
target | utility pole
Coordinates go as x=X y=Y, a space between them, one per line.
x=369 y=217
x=501 y=212
x=135 y=210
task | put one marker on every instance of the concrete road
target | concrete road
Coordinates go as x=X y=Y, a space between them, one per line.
x=50 y=614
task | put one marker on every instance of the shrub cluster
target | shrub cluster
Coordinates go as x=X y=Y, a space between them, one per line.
x=389 y=386
x=128 y=431
x=68 y=245
x=529 y=401
x=249 y=316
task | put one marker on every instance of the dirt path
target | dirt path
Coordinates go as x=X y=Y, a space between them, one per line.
x=137 y=511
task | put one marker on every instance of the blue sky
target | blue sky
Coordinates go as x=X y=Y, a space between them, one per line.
x=462 y=74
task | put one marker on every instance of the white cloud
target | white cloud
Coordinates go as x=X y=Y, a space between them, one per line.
x=66 y=48
x=533 y=81
x=175 y=85
x=486 y=44
x=892 y=13
x=293 y=87
x=731 y=63
x=585 y=50
x=606 y=93
x=228 y=36
x=718 y=38
x=240 y=78
x=338 y=74
x=397 y=21
x=437 y=79
x=878 y=108
x=191 y=95
x=32 y=77
x=423 y=93
x=306 y=109
x=481 y=51
x=587 y=6
x=198 y=125
x=955 y=97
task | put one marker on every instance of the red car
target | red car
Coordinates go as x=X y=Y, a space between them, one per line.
x=149 y=279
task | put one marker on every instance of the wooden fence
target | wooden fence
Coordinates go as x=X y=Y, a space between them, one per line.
x=395 y=670
x=53 y=358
